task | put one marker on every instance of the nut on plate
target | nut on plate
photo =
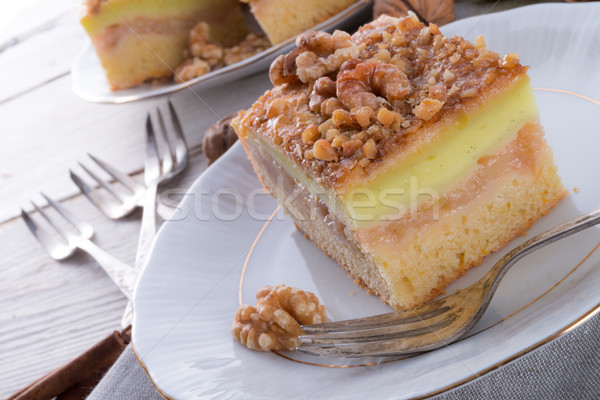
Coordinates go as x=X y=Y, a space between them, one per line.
x=274 y=323
x=218 y=138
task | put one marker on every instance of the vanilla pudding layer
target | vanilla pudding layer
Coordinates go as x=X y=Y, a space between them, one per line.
x=441 y=158
x=411 y=259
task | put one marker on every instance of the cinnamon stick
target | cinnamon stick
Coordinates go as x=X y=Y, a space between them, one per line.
x=77 y=378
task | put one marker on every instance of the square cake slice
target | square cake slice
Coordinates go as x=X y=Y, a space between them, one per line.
x=405 y=155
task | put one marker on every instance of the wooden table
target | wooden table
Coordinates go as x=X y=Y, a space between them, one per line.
x=50 y=312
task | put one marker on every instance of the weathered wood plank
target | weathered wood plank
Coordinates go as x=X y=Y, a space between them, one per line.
x=31 y=63
x=24 y=19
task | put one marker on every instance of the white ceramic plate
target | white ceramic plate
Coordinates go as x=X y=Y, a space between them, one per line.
x=187 y=296
x=89 y=81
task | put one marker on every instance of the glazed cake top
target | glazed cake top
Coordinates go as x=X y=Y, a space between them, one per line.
x=342 y=104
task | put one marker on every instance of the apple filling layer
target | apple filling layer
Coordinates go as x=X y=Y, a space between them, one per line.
x=421 y=251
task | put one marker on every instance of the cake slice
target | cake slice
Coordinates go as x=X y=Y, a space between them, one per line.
x=283 y=19
x=405 y=155
x=139 y=40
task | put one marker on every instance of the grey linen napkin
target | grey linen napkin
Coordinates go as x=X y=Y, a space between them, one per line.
x=567 y=368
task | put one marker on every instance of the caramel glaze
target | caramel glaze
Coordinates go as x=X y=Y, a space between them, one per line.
x=476 y=76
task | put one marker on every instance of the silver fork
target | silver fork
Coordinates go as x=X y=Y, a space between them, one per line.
x=159 y=168
x=117 y=204
x=432 y=325
x=122 y=274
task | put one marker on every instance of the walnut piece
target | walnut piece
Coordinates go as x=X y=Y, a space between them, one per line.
x=191 y=69
x=202 y=47
x=274 y=324
x=428 y=108
x=323 y=89
x=203 y=55
x=251 y=45
x=316 y=55
x=361 y=86
x=218 y=138
x=323 y=151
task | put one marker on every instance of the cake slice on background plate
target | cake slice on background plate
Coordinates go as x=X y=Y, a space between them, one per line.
x=140 y=40
x=283 y=19
x=414 y=155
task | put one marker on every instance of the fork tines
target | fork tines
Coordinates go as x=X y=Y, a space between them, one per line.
x=174 y=156
x=58 y=249
x=400 y=332
x=118 y=204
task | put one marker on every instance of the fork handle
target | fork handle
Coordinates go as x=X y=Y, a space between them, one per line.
x=122 y=274
x=148 y=229
x=495 y=275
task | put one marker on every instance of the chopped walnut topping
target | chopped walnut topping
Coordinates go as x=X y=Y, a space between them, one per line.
x=253 y=44
x=454 y=89
x=342 y=118
x=276 y=107
x=283 y=69
x=427 y=109
x=325 y=126
x=329 y=106
x=467 y=93
x=387 y=118
x=370 y=149
x=364 y=162
x=438 y=92
x=383 y=56
x=486 y=58
x=274 y=324
x=323 y=89
x=480 y=42
x=399 y=61
x=391 y=78
x=202 y=52
x=359 y=87
x=455 y=58
x=362 y=136
x=331 y=134
x=448 y=76
x=190 y=69
x=364 y=116
x=510 y=60
x=323 y=151
x=311 y=134
x=350 y=147
x=318 y=54
x=339 y=140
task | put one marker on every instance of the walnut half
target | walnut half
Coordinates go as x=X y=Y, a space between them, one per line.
x=274 y=324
